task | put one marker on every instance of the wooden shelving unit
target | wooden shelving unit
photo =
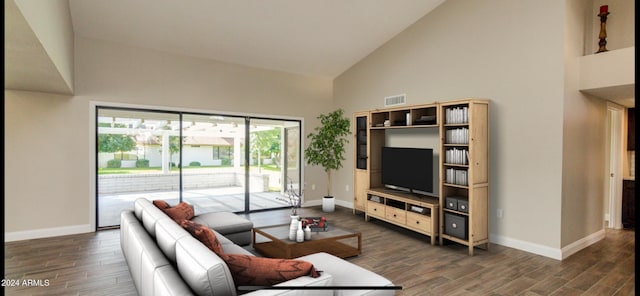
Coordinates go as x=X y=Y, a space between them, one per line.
x=464 y=169
x=464 y=172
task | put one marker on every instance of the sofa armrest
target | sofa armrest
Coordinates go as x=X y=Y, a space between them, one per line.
x=323 y=280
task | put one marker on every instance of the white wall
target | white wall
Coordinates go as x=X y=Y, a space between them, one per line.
x=583 y=141
x=51 y=22
x=54 y=196
x=46 y=162
x=510 y=52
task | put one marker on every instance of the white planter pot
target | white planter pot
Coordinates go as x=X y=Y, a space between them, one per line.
x=328 y=204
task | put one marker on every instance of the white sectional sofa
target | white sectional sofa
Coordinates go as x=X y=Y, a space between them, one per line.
x=164 y=259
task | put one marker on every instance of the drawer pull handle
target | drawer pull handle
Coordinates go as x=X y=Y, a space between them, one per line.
x=375 y=210
x=417 y=222
x=454 y=225
x=394 y=215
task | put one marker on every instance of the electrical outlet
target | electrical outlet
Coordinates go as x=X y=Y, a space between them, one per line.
x=313 y=186
x=346 y=188
x=500 y=213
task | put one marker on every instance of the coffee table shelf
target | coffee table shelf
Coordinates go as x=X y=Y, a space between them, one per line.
x=273 y=241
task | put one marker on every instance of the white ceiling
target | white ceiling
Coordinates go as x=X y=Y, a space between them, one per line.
x=315 y=38
x=320 y=38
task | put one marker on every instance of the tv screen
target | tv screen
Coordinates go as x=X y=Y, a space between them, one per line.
x=408 y=168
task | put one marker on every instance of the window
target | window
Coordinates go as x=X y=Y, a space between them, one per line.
x=216 y=162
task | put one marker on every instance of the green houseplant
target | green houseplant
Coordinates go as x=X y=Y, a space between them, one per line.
x=327 y=144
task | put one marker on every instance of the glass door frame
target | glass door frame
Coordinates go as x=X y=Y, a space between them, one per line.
x=96 y=107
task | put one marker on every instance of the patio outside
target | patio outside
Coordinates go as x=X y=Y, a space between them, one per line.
x=212 y=199
x=160 y=155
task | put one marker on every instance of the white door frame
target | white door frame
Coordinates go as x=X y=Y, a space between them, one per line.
x=613 y=171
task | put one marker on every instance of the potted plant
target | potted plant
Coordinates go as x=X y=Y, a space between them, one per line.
x=327 y=147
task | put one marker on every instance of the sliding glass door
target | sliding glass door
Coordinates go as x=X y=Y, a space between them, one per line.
x=213 y=166
x=137 y=156
x=215 y=162
x=274 y=156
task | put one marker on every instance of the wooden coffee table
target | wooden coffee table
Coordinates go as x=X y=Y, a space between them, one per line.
x=273 y=241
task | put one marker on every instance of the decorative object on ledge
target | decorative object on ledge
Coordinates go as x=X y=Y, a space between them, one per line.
x=604 y=12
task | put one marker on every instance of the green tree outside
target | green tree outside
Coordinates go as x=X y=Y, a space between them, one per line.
x=112 y=143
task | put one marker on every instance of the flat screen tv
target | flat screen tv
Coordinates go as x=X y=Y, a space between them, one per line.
x=408 y=169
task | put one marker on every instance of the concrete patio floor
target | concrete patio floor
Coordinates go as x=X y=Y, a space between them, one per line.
x=230 y=199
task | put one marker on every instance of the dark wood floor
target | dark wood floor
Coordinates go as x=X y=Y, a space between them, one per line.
x=92 y=264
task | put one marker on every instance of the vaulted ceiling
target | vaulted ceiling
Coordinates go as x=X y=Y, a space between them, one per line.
x=314 y=38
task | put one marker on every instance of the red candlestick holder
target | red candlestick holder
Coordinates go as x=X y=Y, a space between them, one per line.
x=604 y=12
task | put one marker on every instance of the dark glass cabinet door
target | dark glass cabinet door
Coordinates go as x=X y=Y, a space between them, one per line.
x=361 y=142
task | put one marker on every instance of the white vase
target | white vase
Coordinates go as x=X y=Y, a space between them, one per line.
x=307 y=233
x=299 y=233
x=293 y=228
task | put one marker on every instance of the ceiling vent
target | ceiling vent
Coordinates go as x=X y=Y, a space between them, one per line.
x=395 y=100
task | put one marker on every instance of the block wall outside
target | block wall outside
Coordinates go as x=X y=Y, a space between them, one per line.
x=113 y=184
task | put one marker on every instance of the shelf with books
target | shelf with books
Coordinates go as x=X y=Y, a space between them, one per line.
x=464 y=173
x=456 y=114
x=454 y=155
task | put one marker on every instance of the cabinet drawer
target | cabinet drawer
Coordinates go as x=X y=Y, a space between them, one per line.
x=395 y=214
x=419 y=222
x=375 y=209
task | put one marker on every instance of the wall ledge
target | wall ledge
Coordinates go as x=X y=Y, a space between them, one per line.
x=609 y=75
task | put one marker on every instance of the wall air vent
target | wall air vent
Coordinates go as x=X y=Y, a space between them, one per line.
x=395 y=100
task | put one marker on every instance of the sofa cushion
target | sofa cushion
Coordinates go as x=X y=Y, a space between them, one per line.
x=204 y=235
x=149 y=214
x=182 y=211
x=258 y=271
x=167 y=235
x=145 y=260
x=224 y=222
x=235 y=249
x=202 y=269
x=232 y=226
x=167 y=281
x=229 y=247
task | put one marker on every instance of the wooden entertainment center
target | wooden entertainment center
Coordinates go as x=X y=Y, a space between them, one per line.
x=396 y=207
x=460 y=211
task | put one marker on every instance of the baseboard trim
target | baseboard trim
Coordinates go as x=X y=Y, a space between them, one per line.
x=345 y=204
x=312 y=203
x=553 y=253
x=338 y=202
x=582 y=243
x=530 y=247
x=46 y=232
